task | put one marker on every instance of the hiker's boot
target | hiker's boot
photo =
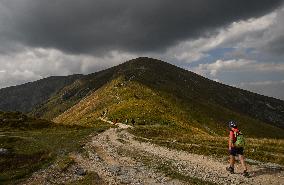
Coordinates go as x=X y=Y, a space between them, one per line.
x=230 y=169
x=245 y=173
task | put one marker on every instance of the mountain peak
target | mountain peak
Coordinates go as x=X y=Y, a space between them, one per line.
x=199 y=98
x=146 y=61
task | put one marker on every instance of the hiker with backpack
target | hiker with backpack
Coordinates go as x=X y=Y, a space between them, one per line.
x=236 y=147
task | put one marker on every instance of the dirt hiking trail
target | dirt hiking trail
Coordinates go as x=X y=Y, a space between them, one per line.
x=117 y=158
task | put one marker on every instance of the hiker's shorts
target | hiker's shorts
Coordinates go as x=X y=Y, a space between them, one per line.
x=236 y=151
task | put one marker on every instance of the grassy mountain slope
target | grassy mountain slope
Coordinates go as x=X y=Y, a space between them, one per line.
x=125 y=99
x=25 y=97
x=182 y=96
x=72 y=94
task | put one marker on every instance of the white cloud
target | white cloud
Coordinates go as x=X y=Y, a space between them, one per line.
x=211 y=69
x=237 y=65
x=36 y=63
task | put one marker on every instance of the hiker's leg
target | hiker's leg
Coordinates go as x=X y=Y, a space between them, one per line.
x=232 y=161
x=242 y=160
x=232 y=157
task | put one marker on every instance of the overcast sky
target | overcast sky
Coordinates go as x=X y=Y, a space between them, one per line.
x=236 y=42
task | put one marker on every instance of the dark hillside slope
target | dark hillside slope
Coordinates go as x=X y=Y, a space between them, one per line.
x=193 y=89
x=24 y=97
x=72 y=94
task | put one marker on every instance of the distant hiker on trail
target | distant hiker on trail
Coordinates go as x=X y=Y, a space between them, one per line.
x=132 y=122
x=236 y=147
x=103 y=114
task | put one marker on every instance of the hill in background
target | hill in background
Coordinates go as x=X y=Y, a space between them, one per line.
x=25 y=97
x=157 y=94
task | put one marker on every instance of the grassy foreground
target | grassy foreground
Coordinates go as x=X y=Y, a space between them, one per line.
x=31 y=149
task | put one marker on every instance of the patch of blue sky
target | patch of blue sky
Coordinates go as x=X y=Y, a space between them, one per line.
x=219 y=53
x=224 y=54
x=234 y=77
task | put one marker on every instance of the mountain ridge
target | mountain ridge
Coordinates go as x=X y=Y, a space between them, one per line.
x=25 y=96
x=194 y=94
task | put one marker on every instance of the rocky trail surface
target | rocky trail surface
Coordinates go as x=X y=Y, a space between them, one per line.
x=118 y=158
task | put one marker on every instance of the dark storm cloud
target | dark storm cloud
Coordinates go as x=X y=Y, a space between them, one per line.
x=97 y=26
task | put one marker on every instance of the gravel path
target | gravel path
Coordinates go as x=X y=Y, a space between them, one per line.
x=104 y=158
x=113 y=155
x=118 y=158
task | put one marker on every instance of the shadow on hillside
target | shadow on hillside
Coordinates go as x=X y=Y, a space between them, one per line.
x=266 y=171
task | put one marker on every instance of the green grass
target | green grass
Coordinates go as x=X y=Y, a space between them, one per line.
x=20 y=121
x=33 y=149
x=65 y=162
